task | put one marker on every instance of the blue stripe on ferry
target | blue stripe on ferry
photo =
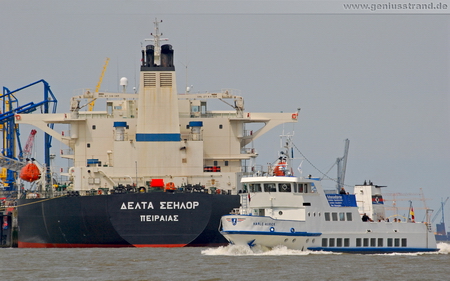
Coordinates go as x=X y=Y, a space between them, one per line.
x=273 y=233
x=373 y=249
x=158 y=137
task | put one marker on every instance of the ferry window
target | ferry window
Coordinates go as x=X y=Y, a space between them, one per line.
x=334 y=216
x=300 y=188
x=331 y=242
x=342 y=216
x=346 y=242
x=403 y=242
x=187 y=126
x=295 y=187
x=349 y=216
x=220 y=126
x=284 y=187
x=324 y=242
x=215 y=163
x=327 y=216
x=88 y=145
x=380 y=242
x=373 y=242
x=270 y=187
x=389 y=242
x=226 y=163
x=93 y=127
x=339 y=242
x=366 y=242
x=397 y=242
x=358 y=242
x=255 y=187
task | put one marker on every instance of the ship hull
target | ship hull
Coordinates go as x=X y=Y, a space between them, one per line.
x=157 y=219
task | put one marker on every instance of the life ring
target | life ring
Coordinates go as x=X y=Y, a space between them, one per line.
x=294 y=116
x=99 y=192
x=18 y=117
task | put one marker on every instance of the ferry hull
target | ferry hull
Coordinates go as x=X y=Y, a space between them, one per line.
x=124 y=220
x=270 y=233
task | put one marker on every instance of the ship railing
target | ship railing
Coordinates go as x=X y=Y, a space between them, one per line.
x=191 y=137
x=209 y=115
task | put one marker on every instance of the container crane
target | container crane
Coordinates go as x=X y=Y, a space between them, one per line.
x=440 y=227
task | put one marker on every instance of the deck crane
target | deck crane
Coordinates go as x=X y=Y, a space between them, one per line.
x=97 y=88
x=342 y=166
x=29 y=146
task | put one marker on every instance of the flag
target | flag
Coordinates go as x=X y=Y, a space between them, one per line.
x=249 y=199
x=300 y=168
x=411 y=213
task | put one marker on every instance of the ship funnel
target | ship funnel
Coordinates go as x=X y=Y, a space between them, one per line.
x=150 y=56
x=166 y=56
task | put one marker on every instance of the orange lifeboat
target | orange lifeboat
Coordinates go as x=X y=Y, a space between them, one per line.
x=280 y=168
x=30 y=172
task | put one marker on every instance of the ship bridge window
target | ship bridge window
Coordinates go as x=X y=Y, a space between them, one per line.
x=327 y=216
x=255 y=187
x=342 y=216
x=284 y=187
x=270 y=187
x=301 y=187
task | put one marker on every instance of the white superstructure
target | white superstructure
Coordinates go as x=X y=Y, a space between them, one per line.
x=156 y=133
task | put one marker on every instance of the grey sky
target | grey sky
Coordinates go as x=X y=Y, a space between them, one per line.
x=380 y=80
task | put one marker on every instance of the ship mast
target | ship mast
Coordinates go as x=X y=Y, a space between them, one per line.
x=156 y=39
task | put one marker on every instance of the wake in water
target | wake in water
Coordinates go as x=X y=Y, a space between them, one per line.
x=234 y=250
x=444 y=248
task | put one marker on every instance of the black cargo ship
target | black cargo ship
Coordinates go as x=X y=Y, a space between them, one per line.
x=155 y=169
x=159 y=219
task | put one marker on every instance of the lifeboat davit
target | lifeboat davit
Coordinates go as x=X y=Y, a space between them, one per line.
x=30 y=172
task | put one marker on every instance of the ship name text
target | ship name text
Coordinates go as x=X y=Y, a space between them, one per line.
x=163 y=205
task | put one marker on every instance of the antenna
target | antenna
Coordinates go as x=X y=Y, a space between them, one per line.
x=156 y=39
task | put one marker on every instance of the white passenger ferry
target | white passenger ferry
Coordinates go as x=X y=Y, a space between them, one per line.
x=280 y=209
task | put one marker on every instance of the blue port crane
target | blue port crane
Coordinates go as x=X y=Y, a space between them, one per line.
x=9 y=158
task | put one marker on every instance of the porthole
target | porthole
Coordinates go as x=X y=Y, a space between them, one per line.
x=307 y=240
x=293 y=240
x=285 y=240
x=280 y=213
